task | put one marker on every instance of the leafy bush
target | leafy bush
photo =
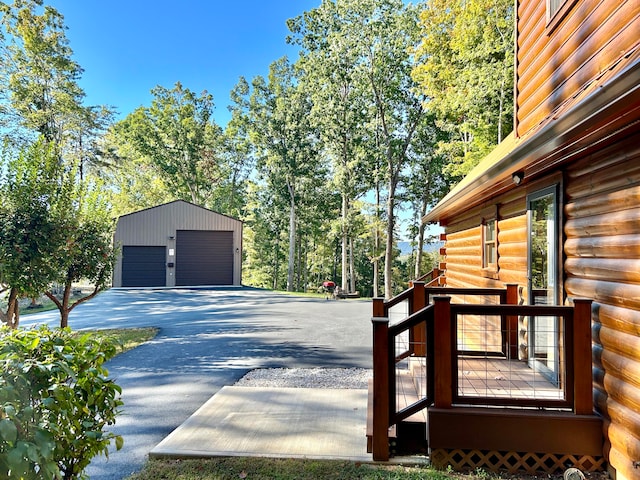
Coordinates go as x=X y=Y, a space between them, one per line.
x=55 y=401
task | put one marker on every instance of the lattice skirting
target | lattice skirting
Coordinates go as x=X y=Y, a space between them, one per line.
x=514 y=462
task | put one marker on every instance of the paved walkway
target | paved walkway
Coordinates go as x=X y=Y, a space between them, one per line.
x=209 y=339
x=274 y=422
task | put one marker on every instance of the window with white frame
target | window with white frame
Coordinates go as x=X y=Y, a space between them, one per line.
x=490 y=244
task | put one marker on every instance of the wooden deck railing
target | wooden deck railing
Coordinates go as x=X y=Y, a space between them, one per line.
x=433 y=278
x=574 y=345
x=432 y=329
x=418 y=326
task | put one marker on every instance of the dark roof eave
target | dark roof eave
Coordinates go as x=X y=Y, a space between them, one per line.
x=615 y=96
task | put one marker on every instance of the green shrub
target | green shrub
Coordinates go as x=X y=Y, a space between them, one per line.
x=55 y=401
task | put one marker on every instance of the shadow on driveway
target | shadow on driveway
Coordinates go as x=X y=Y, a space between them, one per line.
x=209 y=339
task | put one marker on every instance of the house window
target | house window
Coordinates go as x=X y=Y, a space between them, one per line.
x=556 y=11
x=553 y=6
x=489 y=244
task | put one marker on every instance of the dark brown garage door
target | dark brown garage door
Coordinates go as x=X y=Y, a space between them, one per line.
x=143 y=266
x=204 y=257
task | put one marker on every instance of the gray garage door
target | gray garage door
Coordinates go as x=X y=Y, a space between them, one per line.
x=143 y=266
x=204 y=257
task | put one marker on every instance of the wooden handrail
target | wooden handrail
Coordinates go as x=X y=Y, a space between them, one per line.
x=392 y=302
x=430 y=276
x=411 y=321
x=385 y=413
x=382 y=306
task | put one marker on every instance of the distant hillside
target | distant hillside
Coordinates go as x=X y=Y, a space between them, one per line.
x=405 y=247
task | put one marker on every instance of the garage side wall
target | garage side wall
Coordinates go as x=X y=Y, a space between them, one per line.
x=158 y=227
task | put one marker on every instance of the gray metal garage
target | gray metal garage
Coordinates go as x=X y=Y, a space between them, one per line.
x=177 y=244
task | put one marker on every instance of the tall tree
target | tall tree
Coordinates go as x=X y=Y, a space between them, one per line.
x=426 y=185
x=32 y=224
x=332 y=74
x=360 y=49
x=88 y=252
x=466 y=61
x=399 y=107
x=287 y=145
x=236 y=153
x=130 y=179
x=178 y=137
x=39 y=80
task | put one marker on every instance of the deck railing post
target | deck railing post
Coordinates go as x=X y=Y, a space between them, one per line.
x=512 y=322
x=582 y=357
x=418 y=334
x=443 y=354
x=381 y=394
x=379 y=309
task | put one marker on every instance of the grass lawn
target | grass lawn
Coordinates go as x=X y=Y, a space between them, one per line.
x=125 y=338
x=234 y=468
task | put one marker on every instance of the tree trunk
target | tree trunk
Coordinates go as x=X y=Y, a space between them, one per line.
x=305 y=272
x=419 y=253
x=388 y=254
x=376 y=243
x=292 y=243
x=12 y=317
x=276 y=270
x=345 y=241
x=352 y=268
x=64 y=311
x=421 y=229
x=376 y=277
x=299 y=267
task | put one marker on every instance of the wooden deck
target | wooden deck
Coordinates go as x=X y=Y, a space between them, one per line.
x=503 y=378
x=460 y=384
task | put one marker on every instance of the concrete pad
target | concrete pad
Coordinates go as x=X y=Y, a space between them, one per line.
x=274 y=422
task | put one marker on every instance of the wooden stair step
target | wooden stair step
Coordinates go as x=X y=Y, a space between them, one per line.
x=392 y=430
x=407 y=394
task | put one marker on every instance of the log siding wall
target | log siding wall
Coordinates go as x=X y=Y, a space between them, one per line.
x=560 y=68
x=464 y=245
x=603 y=263
x=556 y=61
x=464 y=261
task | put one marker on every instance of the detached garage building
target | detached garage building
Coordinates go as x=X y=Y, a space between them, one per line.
x=177 y=244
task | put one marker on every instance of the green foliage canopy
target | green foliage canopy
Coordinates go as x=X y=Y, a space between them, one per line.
x=465 y=67
x=178 y=137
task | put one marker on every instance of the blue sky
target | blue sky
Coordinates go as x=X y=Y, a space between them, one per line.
x=127 y=47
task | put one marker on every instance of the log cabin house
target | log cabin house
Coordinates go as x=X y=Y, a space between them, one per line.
x=526 y=355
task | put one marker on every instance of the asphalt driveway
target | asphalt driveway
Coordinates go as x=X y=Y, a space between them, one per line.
x=209 y=339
